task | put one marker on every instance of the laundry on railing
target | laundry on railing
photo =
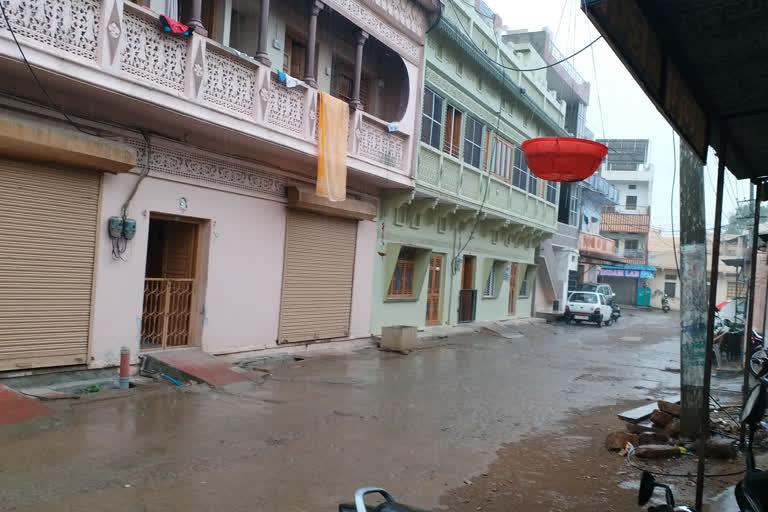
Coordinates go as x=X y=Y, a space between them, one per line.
x=332 y=150
x=289 y=81
x=175 y=27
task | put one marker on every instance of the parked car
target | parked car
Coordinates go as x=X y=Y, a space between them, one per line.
x=588 y=307
x=602 y=288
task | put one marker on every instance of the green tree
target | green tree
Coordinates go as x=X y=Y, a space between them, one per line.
x=741 y=219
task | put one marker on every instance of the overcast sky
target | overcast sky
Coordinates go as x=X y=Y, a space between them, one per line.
x=626 y=111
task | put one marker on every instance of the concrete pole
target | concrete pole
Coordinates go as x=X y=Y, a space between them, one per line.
x=714 y=272
x=693 y=293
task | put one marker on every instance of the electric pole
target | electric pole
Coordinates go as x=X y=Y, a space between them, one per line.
x=694 y=295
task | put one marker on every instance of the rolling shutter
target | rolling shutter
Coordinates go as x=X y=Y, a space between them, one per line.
x=317 y=277
x=48 y=220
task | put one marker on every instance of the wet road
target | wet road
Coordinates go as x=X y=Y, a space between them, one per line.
x=306 y=437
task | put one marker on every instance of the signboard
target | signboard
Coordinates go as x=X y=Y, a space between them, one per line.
x=636 y=274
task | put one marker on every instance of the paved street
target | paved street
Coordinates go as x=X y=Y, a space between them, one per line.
x=304 y=439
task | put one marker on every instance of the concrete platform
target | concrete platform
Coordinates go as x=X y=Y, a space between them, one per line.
x=15 y=407
x=194 y=365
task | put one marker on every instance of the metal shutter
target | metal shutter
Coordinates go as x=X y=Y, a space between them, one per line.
x=317 y=277
x=48 y=221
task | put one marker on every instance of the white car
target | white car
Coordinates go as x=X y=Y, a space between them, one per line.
x=588 y=307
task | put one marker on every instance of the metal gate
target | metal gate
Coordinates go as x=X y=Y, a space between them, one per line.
x=48 y=222
x=167 y=306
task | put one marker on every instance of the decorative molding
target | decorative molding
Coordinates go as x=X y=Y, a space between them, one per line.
x=184 y=163
x=152 y=55
x=230 y=82
x=72 y=26
x=111 y=34
x=407 y=13
x=364 y=17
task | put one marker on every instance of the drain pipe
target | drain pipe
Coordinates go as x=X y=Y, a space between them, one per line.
x=125 y=368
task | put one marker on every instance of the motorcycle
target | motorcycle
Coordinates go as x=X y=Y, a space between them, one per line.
x=615 y=312
x=389 y=504
x=665 y=303
x=752 y=491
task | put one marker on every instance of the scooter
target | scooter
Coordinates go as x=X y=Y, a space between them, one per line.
x=751 y=492
x=615 y=312
x=665 y=303
x=389 y=504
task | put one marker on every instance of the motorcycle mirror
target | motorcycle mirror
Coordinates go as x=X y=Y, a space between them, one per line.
x=754 y=407
x=647 y=485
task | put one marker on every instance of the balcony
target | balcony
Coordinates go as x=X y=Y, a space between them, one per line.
x=448 y=176
x=596 y=245
x=600 y=186
x=112 y=58
x=618 y=219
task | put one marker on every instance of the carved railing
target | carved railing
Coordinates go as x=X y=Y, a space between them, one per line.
x=126 y=41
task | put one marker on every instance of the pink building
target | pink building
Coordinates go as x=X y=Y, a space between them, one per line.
x=157 y=189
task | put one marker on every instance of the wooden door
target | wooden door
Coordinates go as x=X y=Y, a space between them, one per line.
x=433 y=289
x=468 y=273
x=512 y=287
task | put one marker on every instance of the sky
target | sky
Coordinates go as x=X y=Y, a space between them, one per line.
x=618 y=107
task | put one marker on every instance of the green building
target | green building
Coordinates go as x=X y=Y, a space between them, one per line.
x=461 y=246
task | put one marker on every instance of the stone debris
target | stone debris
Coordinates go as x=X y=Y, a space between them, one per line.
x=618 y=440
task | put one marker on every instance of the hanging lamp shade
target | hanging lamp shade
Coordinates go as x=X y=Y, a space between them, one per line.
x=563 y=158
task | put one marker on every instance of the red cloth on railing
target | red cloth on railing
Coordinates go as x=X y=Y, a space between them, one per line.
x=175 y=27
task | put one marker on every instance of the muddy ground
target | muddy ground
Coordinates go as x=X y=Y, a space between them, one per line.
x=528 y=406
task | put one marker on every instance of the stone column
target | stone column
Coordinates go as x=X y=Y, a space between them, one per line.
x=195 y=18
x=310 y=73
x=261 y=54
x=362 y=37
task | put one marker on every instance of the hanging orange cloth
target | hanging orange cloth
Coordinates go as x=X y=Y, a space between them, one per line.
x=332 y=150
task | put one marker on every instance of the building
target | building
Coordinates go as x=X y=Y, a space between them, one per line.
x=461 y=246
x=661 y=255
x=158 y=190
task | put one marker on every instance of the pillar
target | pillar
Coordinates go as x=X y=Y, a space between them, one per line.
x=362 y=37
x=261 y=54
x=310 y=72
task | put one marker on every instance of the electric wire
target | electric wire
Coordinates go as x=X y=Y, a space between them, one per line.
x=512 y=68
x=55 y=105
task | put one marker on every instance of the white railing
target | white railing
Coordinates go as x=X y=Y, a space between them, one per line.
x=126 y=41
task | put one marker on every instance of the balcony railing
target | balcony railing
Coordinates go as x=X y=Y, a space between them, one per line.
x=601 y=186
x=118 y=46
x=596 y=245
x=631 y=253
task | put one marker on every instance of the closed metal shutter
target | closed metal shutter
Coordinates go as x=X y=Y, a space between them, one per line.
x=317 y=277
x=48 y=221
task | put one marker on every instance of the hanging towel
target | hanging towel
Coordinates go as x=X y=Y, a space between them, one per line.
x=174 y=27
x=332 y=151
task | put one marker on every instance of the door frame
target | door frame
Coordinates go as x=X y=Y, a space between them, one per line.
x=440 y=287
x=202 y=252
x=512 y=304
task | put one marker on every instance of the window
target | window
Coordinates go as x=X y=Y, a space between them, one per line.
x=343 y=80
x=631 y=245
x=631 y=203
x=551 y=192
x=442 y=225
x=489 y=285
x=633 y=187
x=430 y=118
x=585 y=298
x=669 y=289
x=524 y=286
x=452 y=131
x=670 y=277
x=401 y=215
x=459 y=67
x=495 y=237
x=499 y=156
x=533 y=183
x=520 y=174
x=736 y=289
x=439 y=51
x=473 y=139
x=294 y=57
x=402 y=280
x=573 y=207
x=573 y=279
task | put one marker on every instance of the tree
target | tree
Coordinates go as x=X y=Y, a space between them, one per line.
x=742 y=218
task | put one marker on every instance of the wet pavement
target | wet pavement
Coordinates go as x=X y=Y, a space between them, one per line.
x=305 y=437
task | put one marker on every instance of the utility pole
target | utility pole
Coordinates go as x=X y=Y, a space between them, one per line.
x=693 y=296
